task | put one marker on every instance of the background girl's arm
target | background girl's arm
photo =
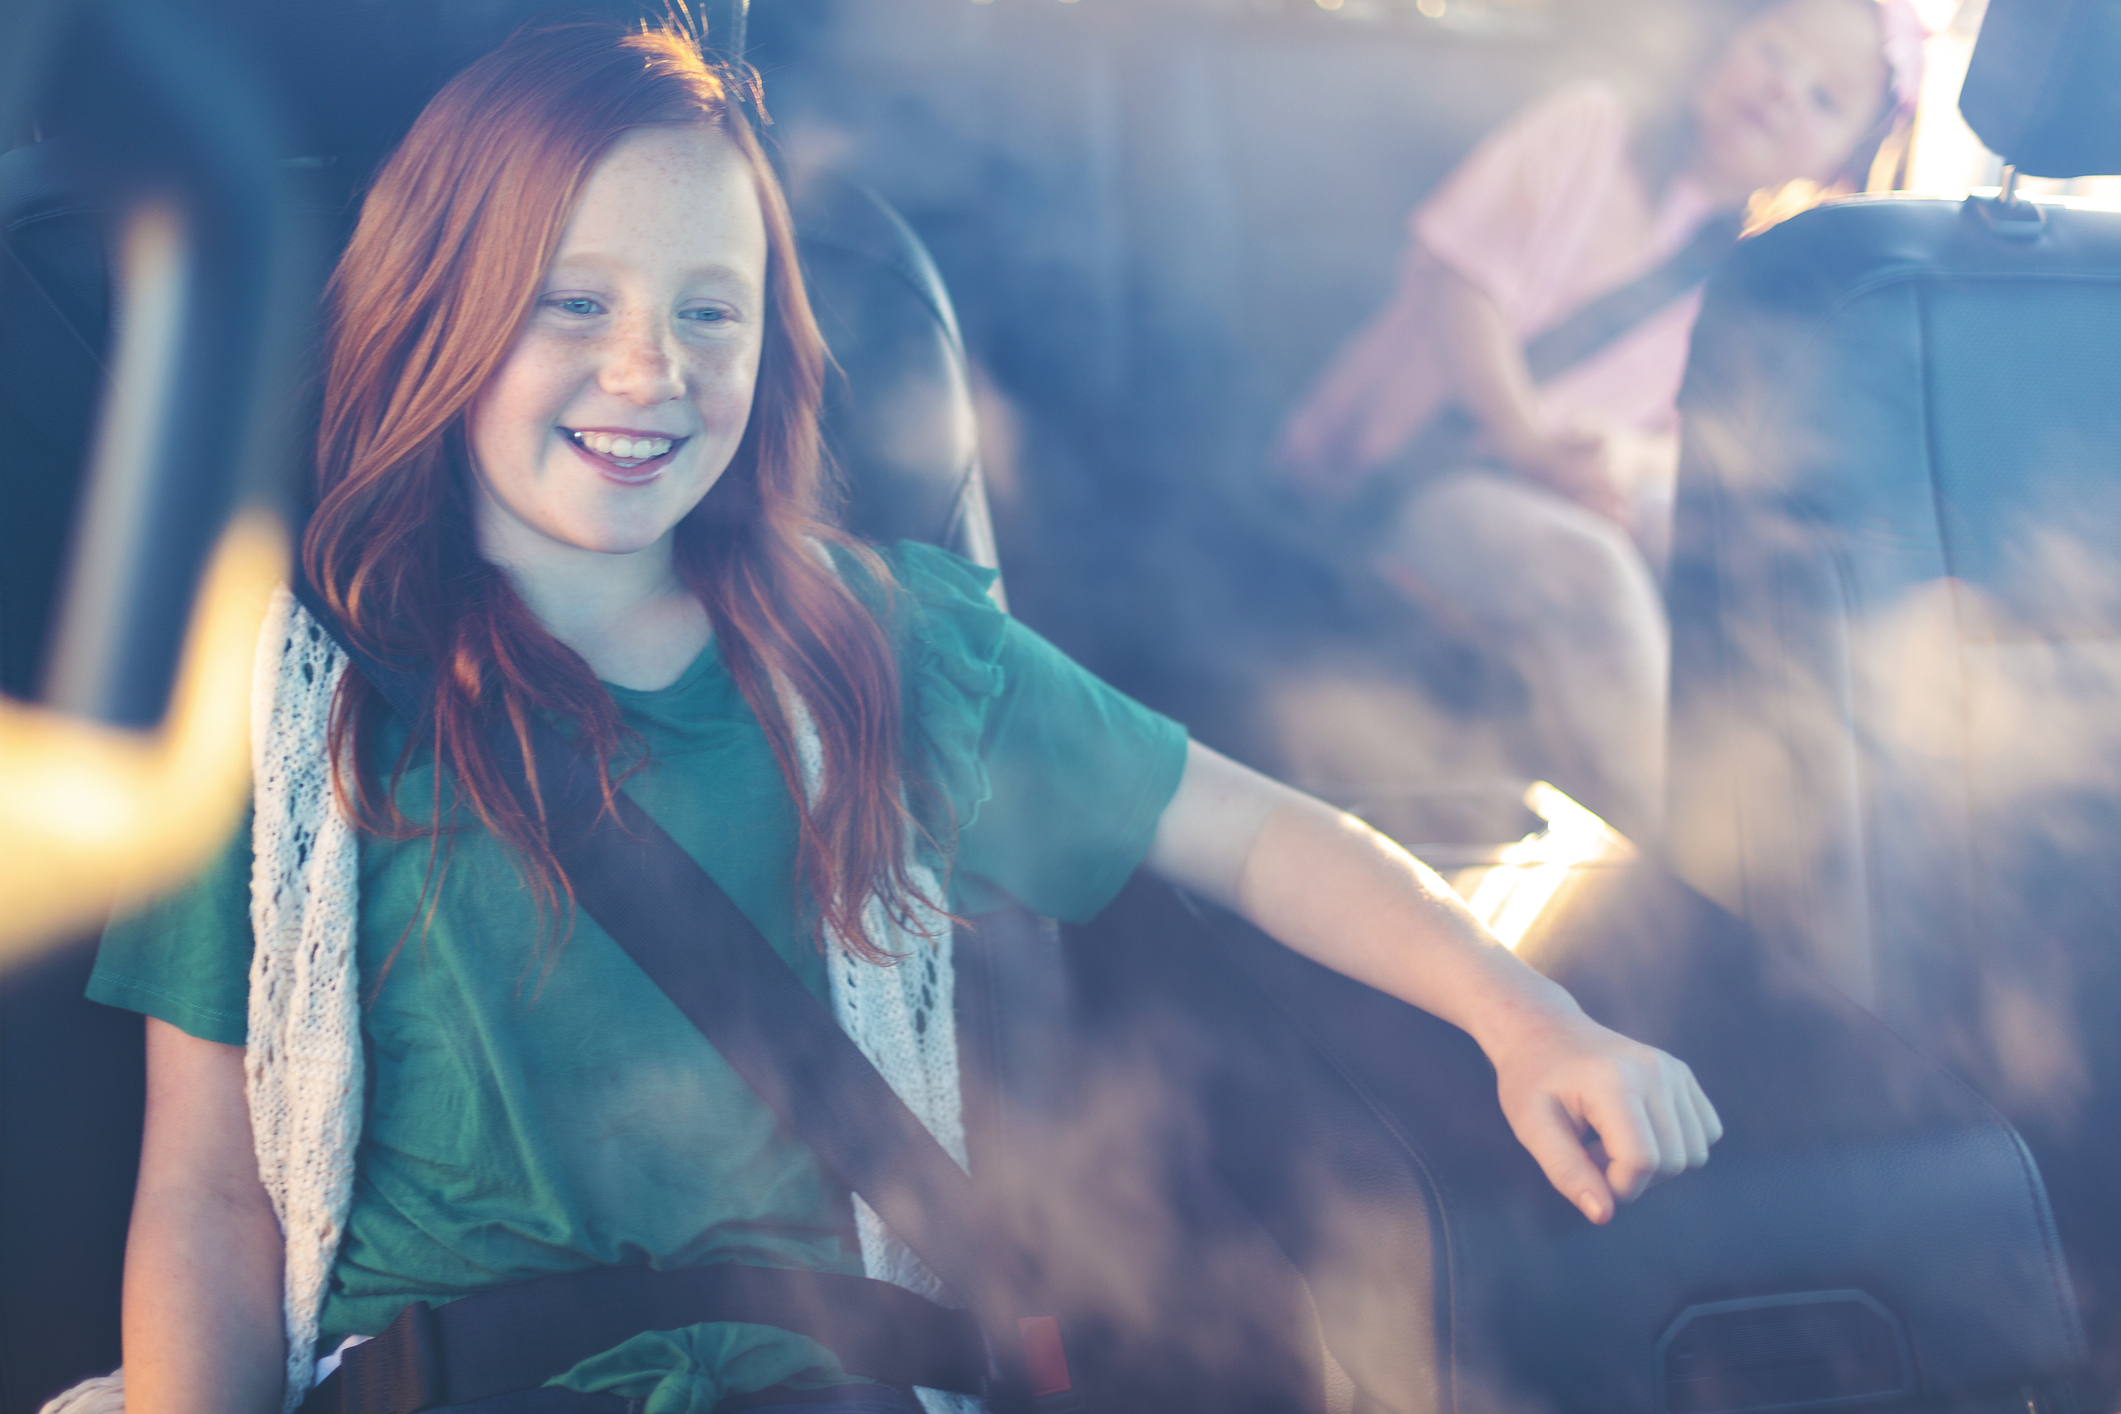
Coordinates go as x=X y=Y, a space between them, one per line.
x=203 y=1328
x=1487 y=370
x=1335 y=890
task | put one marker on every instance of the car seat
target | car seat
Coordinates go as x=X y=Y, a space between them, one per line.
x=1896 y=612
x=1868 y=1234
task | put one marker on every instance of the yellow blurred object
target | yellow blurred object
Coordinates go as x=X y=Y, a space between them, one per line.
x=89 y=814
x=1512 y=894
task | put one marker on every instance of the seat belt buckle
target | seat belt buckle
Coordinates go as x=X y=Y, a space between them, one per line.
x=1032 y=1375
x=1045 y=1357
x=400 y=1371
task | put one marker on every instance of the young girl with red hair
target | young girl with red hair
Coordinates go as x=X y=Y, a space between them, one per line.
x=568 y=467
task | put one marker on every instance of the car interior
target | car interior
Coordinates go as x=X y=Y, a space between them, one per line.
x=1042 y=237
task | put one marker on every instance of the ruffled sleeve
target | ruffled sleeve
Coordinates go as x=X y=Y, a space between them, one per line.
x=1043 y=784
x=950 y=637
x=185 y=958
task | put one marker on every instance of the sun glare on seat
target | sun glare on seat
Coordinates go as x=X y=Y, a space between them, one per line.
x=1510 y=894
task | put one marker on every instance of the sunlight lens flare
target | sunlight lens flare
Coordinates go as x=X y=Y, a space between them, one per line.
x=90 y=814
x=1509 y=895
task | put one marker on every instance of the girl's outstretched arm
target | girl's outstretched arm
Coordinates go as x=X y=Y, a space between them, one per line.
x=1335 y=890
x=203 y=1329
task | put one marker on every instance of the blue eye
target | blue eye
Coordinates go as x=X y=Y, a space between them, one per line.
x=578 y=304
x=705 y=316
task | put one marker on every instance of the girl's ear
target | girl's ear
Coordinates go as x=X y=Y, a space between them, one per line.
x=1884 y=166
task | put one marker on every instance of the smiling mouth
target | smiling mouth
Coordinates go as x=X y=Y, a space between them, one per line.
x=622 y=452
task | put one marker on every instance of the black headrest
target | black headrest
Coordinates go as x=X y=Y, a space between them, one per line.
x=898 y=407
x=2044 y=88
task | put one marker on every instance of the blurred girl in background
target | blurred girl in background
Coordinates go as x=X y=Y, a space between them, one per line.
x=1547 y=523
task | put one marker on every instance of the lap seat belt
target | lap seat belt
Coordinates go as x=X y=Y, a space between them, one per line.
x=689 y=936
x=516 y=1337
x=1599 y=325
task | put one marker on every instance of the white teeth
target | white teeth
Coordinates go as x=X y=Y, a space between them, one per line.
x=624 y=448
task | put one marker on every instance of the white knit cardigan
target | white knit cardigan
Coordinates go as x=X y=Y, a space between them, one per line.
x=303 y=1065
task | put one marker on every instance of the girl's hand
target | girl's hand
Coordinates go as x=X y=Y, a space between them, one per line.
x=1573 y=464
x=1605 y=1116
x=1330 y=887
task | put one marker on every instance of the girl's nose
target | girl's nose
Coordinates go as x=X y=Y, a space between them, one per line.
x=642 y=364
x=1800 y=72
x=1778 y=95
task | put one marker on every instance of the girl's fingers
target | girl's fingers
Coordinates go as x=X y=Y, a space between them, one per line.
x=1692 y=1133
x=1603 y=1135
x=1631 y=1142
x=1711 y=1122
x=1550 y=1136
x=1661 y=1104
x=1679 y=1118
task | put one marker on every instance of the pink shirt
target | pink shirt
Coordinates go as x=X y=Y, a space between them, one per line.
x=1546 y=214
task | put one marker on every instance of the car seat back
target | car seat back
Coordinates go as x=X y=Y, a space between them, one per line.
x=1896 y=610
x=1894 y=588
x=902 y=438
x=899 y=426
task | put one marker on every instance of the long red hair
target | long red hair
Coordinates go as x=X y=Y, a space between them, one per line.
x=442 y=271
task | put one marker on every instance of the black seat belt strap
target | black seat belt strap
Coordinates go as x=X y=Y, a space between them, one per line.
x=1603 y=322
x=693 y=942
x=1453 y=439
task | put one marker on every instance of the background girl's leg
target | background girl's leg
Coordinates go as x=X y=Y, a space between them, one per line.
x=1568 y=598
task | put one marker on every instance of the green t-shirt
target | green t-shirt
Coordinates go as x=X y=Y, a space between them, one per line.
x=525 y=1117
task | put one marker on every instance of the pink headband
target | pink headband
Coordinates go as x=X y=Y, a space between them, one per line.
x=1905 y=35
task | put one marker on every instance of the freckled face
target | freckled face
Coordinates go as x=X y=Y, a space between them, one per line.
x=630 y=384
x=1793 y=93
